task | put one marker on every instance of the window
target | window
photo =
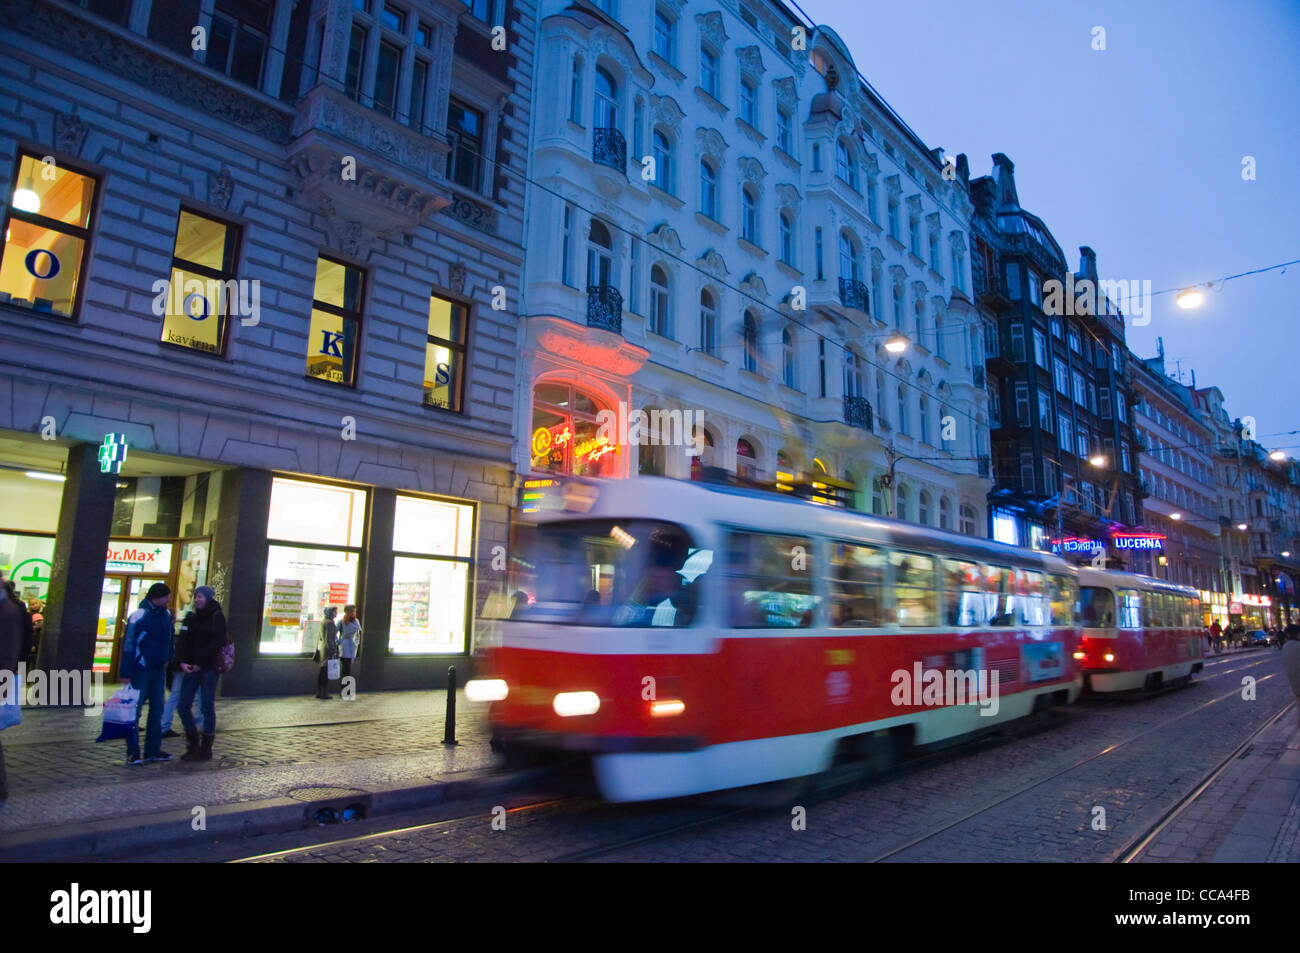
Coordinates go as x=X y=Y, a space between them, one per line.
x=764 y=589
x=845 y=168
x=1079 y=393
x=1040 y=348
x=1121 y=410
x=898 y=306
x=914 y=589
x=817 y=157
x=634 y=278
x=1082 y=443
x=566 y=250
x=1062 y=378
x=914 y=235
x=1074 y=341
x=1018 y=343
x=970 y=593
x=750 y=342
x=1036 y=299
x=665 y=37
x=746 y=460
x=659 y=311
x=465 y=137
x=386 y=75
x=1126 y=463
x=1045 y=410
x=419 y=92
x=444 y=356
x=600 y=255
x=709 y=71
x=1096 y=607
x=1131 y=609
x=934 y=251
x=817 y=246
x=1026 y=474
x=1022 y=403
x=967 y=526
x=749 y=101
x=1013 y=281
x=432 y=546
x=923 y=505
x=856 y=585
x=924 y=414
x=852 y=374
x=872 y=210
x=784 y=130
x=575 y=92
x=945 y=513
x=787 y=238
x=238 y=39
x=849 y=267
x=749 y=215
x=202 y=284
x=893 y=218
x=787 y=359
x=115 y=10
x=1116 y=357
x=605 y=114
x=708 y=323
x=46 y=230
x=902 y=409
x=663 y=152
x=314 y=541
x=485 y=10
x=335 y=334
x=708 y=191
x=1103 y=402
x=1065 y=432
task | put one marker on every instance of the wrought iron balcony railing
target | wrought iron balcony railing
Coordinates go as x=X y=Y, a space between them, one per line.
x=853 y=294
x=857 y=412
x=608 y=147
x=605 y=308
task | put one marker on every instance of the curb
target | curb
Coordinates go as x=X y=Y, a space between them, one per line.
x=118 y=838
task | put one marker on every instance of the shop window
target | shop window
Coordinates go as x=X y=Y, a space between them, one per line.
x=314 y=541
x=432 y=545
x=769 y=581
x=334 y=339
x=27 y=561
x=567 y=437
x=203 y=290
x=444 y=356
x=46 y=229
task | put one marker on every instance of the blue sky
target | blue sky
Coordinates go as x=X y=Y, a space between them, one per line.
x=1135 y=150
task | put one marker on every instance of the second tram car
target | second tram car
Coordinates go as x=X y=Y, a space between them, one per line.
x=692 y=638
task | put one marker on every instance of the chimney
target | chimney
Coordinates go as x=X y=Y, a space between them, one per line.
x=1160 y=347
x=963 y=169
x=1087 y=263
x=1004 y=174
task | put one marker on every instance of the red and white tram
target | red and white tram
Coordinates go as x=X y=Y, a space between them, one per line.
x=1138 y=632
x=693 y=638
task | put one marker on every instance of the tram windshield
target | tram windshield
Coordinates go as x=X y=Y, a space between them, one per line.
x=619 y=573
x=1096 y=607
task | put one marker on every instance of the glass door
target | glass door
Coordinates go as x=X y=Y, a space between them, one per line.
x=110 y=611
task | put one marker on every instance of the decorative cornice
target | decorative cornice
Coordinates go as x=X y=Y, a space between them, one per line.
x=69 y=133
x=899 y=274
x=221 y=186
x=711 y=143
x=665 y=236
x=932 y=220
x=787 y=195
x=957 y=240
x=914 y=204
x=893 y=184
x=752 y=169
x=667 y=111
x=712 y=28
x=870 y=163
x=786 y=94
x=919 y=289
x=712 y=262
x=751 y=60
x=754 y=286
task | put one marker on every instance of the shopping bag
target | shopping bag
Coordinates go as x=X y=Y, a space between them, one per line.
x=119 y=714
x=10 y=715
x=332 y=669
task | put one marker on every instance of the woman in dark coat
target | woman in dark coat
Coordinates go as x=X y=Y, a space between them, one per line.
x=327 y=647
x=198 y=652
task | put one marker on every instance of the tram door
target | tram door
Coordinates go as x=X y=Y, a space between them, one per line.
x=120 y=597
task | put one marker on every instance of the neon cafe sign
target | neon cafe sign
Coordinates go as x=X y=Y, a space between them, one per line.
x=1139 y=541
x=549 y=439
x=1076 y=544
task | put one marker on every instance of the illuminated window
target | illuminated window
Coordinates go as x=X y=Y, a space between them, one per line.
x=46 y=230
x=334 y=339
x=567 y=437
x=914 y=589
x=314 y=540
x=856 y=586
x=444 y=357
x=202 y=290
x=770 y=581
x=746 y=460
x=432 y=545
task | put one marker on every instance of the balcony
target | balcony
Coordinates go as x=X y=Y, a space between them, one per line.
x=853 y=294
x=605 y=308
x=977 y=376
x=609 y=148
x=857 y=412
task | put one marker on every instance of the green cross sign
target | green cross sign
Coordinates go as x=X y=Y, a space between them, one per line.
x=112 y=453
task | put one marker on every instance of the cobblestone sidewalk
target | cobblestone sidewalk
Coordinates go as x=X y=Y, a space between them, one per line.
x=265 y=748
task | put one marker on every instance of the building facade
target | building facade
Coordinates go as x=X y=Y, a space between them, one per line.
x=1064 y=459
x=726 y=227
x=258 y=304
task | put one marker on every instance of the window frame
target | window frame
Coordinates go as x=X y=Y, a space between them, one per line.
x=454 y=347
x=359 y=317
x=234 y=243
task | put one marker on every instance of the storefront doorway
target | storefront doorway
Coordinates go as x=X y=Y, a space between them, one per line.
x=120 y=597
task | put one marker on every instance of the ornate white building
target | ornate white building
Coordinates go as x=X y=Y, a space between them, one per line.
x=723 y=217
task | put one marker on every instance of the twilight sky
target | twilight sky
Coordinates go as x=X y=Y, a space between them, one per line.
x=1135 y=150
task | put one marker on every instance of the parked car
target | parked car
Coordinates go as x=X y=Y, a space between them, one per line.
x=1258 y=637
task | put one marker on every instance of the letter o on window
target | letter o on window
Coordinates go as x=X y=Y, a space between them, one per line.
x=33 y=261
x=188 y=307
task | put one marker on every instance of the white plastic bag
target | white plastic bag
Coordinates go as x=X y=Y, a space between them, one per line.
x=332 y=669
x=120 y=709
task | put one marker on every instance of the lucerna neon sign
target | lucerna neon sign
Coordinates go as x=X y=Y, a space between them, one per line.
x=1147 y=541
x=1075 y=544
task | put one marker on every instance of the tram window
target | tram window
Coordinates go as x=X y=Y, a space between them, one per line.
x=1148 y=613
x=857 y=585
x=997 y=583
x=1164 y=609
x=607 y=573
x=1060 y=597
x=1096 y=607
x=1028 y=606
x=770 y=581
x=968 y=601
x=914 y=593
x=1130 y=609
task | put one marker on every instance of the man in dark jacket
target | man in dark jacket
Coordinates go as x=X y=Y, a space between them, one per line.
x=147 y=647
x=203 y=635
x=11 y=637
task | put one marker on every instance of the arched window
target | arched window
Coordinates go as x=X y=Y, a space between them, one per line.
x=900 y=502
x=746 y=460
x=924 y=408
x=923 y=508
x=939 y=347
x=787 y=358
x=664 y=163
x=845 y=167
x=750 y=342
x=902 y=409
x=606 y=114
x=749 y=214
x=898 y=306
x=600 y=254
x=575 y=91
x=852 y=373
x=566 y=436
x=967 y=527
x=708 y=191
x=704 y=459
x=850 y=267
x=787 y=238
x=708 y=323
x=945 y=513
x=660 y=317
x=651 y=453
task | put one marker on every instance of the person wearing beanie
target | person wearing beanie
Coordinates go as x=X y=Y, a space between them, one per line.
x=327 y=647
x=203 y=636
x=147 y=647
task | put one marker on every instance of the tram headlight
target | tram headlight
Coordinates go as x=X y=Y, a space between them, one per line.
x=667 y=707
x=1080 y=655
x=1110 y=657
x=486 y=689
x=568 y=704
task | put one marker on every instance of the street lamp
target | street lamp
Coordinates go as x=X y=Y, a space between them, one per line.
x=1175 y=516
x=896 y=344
x=1241 y=526
x=1277 y=456
x=1190 y=298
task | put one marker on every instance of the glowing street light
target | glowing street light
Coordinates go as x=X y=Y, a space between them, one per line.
x=897 y=344
x=1097 y=461
x=1277 y=455
x=1190 y=298
x=1241 y=526
x=1175 y=516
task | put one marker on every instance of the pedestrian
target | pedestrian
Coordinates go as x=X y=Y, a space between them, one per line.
x=175 y=678
x=11 y=644
x=1216 y=637
x=327 y=647
x=147 y=647
x=203 y=636
x=349 y=640
x=37 y=608
x=1291 y=664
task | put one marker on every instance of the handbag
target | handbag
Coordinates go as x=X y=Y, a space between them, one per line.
x=226 y=658
x=332 y=669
